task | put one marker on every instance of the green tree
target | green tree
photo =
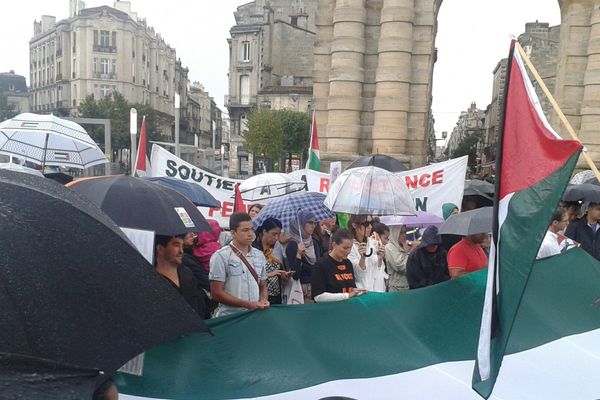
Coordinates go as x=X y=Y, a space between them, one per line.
x=265 y=135
x=116 y=108
x=7 y=110
x=468 y=146
x=296 y=132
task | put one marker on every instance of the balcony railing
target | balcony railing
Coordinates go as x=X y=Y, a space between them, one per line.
x=105 y=49
x=99 y=75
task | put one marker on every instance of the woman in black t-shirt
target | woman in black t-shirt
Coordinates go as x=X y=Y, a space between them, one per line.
x=333 y=275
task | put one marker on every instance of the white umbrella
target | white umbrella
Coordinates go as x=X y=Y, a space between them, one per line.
x=269 y=185
x=21 y=168
x=49 y=140
x=370 y=190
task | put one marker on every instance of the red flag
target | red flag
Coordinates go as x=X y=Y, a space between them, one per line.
x=140 y=161
x=238 y=203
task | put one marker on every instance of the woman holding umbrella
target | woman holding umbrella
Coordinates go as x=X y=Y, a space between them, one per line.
x=267 y=236
x=302 y=251
x=369 y=272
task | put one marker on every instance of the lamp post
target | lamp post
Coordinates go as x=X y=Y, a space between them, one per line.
x=222 y=160
x=177 y=149
x=133 y=133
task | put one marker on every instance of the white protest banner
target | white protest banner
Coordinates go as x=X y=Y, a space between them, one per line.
x=165 y=163
x=316 y=181
x=436 y=184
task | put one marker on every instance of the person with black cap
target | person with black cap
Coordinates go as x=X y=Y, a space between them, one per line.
x=428 y=264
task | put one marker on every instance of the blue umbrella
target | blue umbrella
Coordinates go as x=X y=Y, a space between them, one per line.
x=196 y=193
x=285 y=208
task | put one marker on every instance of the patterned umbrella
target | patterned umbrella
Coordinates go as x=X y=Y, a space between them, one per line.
x=49 y=140
x=285 y=208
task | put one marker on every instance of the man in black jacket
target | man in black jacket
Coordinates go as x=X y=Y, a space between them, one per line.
x=428 y=264
x=586 y=231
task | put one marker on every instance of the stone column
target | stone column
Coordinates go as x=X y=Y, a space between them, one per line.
x=590 y=106
x=391 y=105
x=572 y=61
x=324 y=36
x=346 y=78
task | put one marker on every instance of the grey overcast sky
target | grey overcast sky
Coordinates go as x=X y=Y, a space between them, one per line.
x=472 y=36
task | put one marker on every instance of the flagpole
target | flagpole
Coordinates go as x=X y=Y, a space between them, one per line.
x=556 y=107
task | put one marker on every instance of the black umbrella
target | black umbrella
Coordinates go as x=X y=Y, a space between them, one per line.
x=193 y=191
x=72 y=287
x=24 y=377
x=469 y=222
x=476 y=187
x=59 y=177
x=582 y=192
x=379 y=160
x=140 y=204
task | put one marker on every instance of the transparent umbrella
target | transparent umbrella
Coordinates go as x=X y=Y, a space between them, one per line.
x=370 y=190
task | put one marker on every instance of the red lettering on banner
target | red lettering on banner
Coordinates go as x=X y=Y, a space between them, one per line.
x=324 y=185
x=226 y=209
x=424 y=180
x=211 y=211
x=438 y=177
x=411 y=183
x=416 y=181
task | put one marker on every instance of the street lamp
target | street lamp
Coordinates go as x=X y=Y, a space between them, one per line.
x=222 y=159
x=177 y=149
x=133 y=133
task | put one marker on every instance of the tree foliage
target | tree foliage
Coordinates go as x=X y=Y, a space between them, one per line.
x=468 y=146
x=264 y=137
x=296 y=131
x=116 y=108
x=7 y=110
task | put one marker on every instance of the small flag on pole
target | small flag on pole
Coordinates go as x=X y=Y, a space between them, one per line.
x=238 y=203
x=314 y=159
x=141 y=162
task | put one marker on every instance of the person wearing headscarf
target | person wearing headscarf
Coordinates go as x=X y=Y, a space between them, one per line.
x=448 y=209
x=428 y=264
x=207 y=243
x=302 y=251
x=267 y=235
x=449 y=240
x=396 y=257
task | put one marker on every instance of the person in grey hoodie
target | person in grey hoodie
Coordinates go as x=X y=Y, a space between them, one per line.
x=397 y=252
x=428 y=264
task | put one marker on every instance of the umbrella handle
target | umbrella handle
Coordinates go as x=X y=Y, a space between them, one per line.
x=370 y=253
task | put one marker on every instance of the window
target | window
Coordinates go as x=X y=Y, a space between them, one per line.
x=104 y=66
x=244 y=89
x=74 y=41
x=294 y=20
x=104 y=39
x=95 y=66
x=114 y=39
x=113 y=68
x=104 y=91
x=95 y=38
x=245 y=51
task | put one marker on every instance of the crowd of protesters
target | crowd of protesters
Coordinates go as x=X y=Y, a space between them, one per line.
x=253 y=268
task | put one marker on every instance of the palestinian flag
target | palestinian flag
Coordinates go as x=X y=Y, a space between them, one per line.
x=533 y=168
x=314 y=159
x=142 y=165
x=419 y=344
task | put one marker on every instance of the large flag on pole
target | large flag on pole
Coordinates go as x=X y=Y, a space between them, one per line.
x=533 y=168
x=314 y=159
x=142 y=165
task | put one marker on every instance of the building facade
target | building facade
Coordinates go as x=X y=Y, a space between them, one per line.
x=270 y=65
x=471 y=121
x=14 y=97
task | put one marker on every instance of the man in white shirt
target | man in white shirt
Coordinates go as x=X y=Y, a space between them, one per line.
x=550 y=245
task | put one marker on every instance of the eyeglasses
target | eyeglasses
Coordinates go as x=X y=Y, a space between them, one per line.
x=367 y=223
